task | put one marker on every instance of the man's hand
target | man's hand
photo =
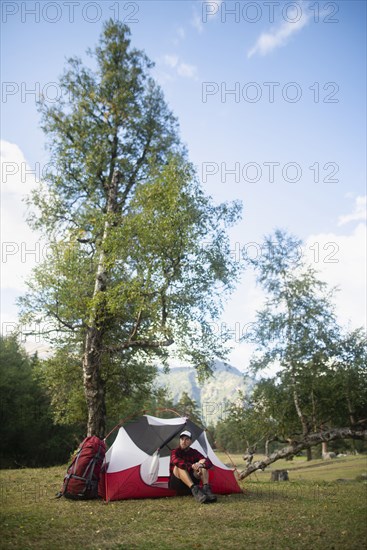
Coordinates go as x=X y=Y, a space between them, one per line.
x=196 y=467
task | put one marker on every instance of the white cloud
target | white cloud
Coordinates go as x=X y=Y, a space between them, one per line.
x=359 y=213
x=21 y=249
x=280 y=35
x=171 y=60
x=185 y=70
x=197 y=22
x=181 y=33
x=16 y=175
x=341 y=262
x=179 y=36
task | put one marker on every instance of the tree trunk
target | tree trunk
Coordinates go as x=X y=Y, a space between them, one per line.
x=352 y=418
x=279 y=475
x=93 y=383
x=303 y=419
x=308 y=441
x=267 y=442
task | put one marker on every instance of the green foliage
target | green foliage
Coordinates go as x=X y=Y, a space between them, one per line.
x=297 y=324
x=28 y=434
x=188 y=407
x=349 y=377
x=158 y=401
x=320 y=380
x=128 y=387
x=61 y=378
x=230 y=435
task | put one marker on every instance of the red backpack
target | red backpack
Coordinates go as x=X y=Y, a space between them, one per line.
x=81 y=480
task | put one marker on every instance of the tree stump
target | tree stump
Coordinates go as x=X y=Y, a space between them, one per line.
x=279 y=475
x=328 y=456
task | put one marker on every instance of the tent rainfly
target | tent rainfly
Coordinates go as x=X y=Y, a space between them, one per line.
x=137 y=463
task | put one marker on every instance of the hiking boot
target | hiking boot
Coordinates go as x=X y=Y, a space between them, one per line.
x=210 y=497
x=198 y=494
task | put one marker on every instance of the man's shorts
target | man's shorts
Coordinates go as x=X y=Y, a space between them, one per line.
x=179 y=486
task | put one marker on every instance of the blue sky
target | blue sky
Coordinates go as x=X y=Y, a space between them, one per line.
x=270 y=97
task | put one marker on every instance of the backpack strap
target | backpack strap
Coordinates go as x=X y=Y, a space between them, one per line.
x=73 y=465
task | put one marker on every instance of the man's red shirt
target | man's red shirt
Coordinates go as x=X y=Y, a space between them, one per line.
x=185 y=458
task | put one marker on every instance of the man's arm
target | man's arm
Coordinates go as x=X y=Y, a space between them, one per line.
x=180 y=462
x=206 y=462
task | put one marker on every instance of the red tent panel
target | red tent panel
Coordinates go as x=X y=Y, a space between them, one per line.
x=128 y=484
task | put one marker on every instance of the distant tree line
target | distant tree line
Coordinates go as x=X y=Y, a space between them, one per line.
x=41 y=427
x=29 y=436
x=35 y=433
x=318 y=394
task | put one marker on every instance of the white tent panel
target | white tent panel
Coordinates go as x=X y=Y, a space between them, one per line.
x=153 y=421
x=164 y=466
x=124 y=453
x=211 y=454
x=147 y=468
x=150 y=468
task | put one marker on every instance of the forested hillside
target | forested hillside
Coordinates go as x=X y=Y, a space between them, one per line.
x=214 y=395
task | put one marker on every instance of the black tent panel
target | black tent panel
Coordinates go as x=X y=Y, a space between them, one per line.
x=149 y=437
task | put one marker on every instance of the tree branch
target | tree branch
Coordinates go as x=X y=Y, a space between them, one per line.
x=136 y=326
x=143 y=344
x=134 y=174
x=308 y=441
x=62 y=322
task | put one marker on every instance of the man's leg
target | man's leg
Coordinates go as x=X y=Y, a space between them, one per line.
x=204 y=475
x=185 y=477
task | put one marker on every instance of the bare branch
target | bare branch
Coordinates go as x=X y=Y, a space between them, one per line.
x=143 y=344
x=86 y=241
x=136 y=326
x=306 y=442
x=62 y=322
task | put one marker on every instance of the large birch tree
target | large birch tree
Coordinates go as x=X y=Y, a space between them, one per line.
x=138 y=257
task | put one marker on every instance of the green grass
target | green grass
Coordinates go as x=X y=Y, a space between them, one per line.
x=313 y=510
x=300 y=470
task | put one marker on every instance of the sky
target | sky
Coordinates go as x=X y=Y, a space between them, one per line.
x=271 y=101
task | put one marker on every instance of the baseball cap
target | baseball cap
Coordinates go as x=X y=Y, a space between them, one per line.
x=186 y=433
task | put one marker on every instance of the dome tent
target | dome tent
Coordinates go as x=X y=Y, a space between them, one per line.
x=137 y=463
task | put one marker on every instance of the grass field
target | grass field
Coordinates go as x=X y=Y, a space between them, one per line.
x=322 y=506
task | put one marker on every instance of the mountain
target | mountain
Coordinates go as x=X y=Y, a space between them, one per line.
x=214 y=395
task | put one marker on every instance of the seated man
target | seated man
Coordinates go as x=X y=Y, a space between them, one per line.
x=187 y=468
